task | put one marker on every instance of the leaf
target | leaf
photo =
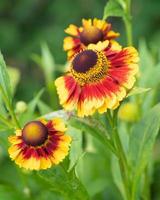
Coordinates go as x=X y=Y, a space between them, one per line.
x=4 y=79
x=146 y=66
x=29 y=114
x=9 y=193
x=48 y=63
x=65 y=183
x=117 y=175
x=138 y=90
x=114 y=8
x=141 y=143
x=93 y=127
x=76 y=147
x=14 y=75
x=45 y=195
x=59 y=113
x=43 y=107
x=149 y=77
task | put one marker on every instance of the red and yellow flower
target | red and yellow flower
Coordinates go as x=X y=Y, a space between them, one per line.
x=91 y=32
x=99 y=78
x=40 y=144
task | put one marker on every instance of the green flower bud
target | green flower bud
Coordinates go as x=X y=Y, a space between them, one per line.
x=21 y=107
x=128 y=112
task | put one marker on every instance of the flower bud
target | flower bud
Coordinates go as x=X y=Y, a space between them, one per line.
x=21 y=107
x=128 y=112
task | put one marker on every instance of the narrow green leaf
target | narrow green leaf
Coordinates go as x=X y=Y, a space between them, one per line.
x=65 y=183
x=146 y=66
x=141 y=143
x=95 y=128
x=114 y=8
x=48 y=63
x=29 y=114
x=138 y=90
x=43 y=107
x=4 y=79
x=14 y=75
x=76 y=150
x=59 y=113
x=116 y=173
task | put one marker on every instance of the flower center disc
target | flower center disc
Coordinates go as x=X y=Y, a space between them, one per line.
x=34 y=133
x=89 y=66
x=91 y=35
x=84 y=61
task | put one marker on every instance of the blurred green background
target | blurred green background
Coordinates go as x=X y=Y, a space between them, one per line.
x=24 y=26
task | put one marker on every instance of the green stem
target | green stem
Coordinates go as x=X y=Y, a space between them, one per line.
x=146 y=190
x=121 y=154
x=128 y=22
x=123 y=164
x=12 y=113
x=9 y=107
x=4 y=121
x=128 y=28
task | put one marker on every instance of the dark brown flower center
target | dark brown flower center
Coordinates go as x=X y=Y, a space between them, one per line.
x=91 y=35
x=89 y=66
x=34 y=133
x=84 y=61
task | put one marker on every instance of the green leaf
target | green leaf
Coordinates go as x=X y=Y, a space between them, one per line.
x=29 y=114
x=146 y=66
x=9 y=193
x=59 y=113
x=65 y=183
x=116 y=173
x=93 y=127
x=141 y=143
x=48 y=63
x=114 y=8
x=138 y=90
x=14 y=75
x=76 y=150
x=4 y=80
x=43 y=107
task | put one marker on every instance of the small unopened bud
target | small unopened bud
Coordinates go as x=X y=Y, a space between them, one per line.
x=128 y=112
x=26 y=191
x=21 y=107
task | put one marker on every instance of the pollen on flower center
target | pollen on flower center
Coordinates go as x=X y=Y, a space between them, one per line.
x=89 y=66
x=84 y=61
x=34 y=133
x=91 y=35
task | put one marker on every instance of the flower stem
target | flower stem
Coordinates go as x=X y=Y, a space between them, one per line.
x=146 y=189
x=128 y=22
x=12 y=113
x=123 y=164
x=4 y=121
x=9 y=107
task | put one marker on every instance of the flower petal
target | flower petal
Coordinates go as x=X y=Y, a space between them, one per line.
x=68 y=91
x=72 y=30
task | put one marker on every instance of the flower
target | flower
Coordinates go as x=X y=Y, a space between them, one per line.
x=98 y=79
x=91 y=32
x=40 y=144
